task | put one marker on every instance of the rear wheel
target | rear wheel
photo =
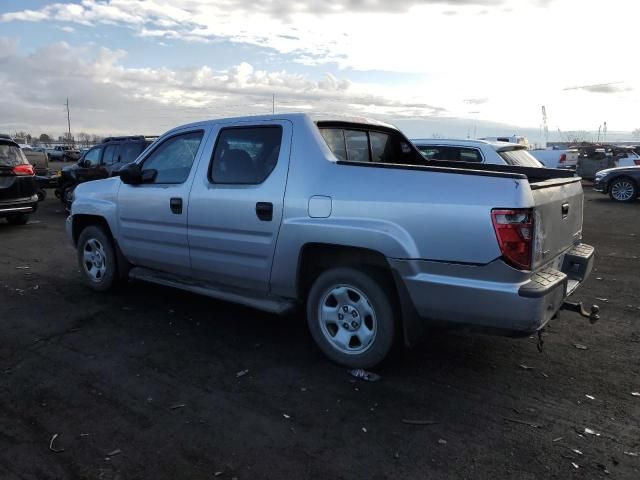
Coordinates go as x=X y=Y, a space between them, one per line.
x=351 y=318
x=97 y=258
x=623 y=189
x=18 y=219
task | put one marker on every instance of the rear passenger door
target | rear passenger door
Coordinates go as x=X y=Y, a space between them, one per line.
x=236 y=204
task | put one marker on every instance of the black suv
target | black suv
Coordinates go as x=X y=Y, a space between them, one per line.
x=18 y=186
x=102 y=161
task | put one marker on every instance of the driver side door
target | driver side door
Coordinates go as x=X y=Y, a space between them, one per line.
x=152 y=217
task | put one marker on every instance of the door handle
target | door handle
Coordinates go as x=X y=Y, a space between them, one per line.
x=176 y=205
x=264 y=211
x=565 y=210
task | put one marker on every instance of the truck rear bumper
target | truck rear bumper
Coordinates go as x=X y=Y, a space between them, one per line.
x=493 y=296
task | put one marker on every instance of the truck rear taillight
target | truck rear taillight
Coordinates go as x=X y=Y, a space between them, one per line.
x=23 y=169
x=563 y=158
x=514 y=230
x=637 y=162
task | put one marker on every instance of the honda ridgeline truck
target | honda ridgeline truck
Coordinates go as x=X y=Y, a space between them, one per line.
x=343 y=217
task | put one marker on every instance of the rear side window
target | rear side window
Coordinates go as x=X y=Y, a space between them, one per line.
x=520 y=158
x=451 y=154
x=335 y=141
x=245 y=155
x=110 y=154
x=10 y=155
x=130 y=151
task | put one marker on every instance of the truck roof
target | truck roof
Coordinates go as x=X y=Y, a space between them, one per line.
x=294 y=117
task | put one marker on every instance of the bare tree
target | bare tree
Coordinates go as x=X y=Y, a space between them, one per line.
x=45 y=139
x=84 y=139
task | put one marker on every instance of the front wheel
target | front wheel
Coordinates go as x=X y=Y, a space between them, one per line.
x=97 y=258
x=623 y=189
x=351 y=317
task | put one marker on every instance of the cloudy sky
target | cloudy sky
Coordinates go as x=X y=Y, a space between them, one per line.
x=432 y=67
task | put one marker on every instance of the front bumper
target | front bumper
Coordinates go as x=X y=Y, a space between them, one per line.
x=600 y=186
x=17 y=206
x=493 y=296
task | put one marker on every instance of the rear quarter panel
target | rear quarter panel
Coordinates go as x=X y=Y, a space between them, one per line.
x=404 y=214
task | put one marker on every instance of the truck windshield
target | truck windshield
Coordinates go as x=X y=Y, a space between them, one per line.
x=10 y=155
x=520 y=158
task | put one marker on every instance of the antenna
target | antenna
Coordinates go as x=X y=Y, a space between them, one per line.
x=68 y=121
x=273 y=104
x=604 y=133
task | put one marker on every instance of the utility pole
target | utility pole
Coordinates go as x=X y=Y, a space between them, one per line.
x=68 y=121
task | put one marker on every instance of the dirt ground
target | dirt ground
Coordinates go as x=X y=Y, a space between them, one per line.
x=142 y=384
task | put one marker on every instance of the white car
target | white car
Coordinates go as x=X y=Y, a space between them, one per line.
x=480 y=151
x=557 y=158
x=627 y=158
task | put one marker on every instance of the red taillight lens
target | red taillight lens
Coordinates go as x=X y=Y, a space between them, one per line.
x=563 y=158
x=23 y=169
x=514 y=230
x=637 y=162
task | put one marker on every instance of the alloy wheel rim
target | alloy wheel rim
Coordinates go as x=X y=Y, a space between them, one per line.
x=622 y=190
x=94 y=259
x=347 y=319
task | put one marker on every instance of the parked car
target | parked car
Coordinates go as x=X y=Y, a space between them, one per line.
x=344 y=216
x=476 y=151
x=102 y=161
x=620 y=183
x=18 y=186
x=68 y=154
x=557 y=158
x=38 y=159
x=627 y=157
x=55 y=154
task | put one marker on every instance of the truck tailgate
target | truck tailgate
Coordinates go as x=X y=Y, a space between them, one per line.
x=558 y=221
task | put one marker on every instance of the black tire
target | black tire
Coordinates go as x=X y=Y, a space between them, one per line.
x=18 y=219
x=100 y=281
x=65 y=197
x=623 y=190
x=377 y=297
x=42 y=194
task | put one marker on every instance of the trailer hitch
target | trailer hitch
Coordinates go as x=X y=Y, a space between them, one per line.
x=593 y=315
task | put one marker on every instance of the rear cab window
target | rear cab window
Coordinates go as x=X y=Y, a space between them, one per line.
x=519 y=157
x=362 y=143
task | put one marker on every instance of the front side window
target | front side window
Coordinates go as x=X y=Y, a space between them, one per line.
x=245 y=155
x=92 y=157
x=174 y=158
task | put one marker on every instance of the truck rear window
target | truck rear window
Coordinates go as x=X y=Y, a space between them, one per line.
x=361 y=145
x=10 y=155
x=520 y=158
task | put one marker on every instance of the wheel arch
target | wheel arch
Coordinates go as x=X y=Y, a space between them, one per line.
x=315 y=258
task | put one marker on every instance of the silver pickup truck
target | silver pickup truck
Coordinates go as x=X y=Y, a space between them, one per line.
x=343 y=217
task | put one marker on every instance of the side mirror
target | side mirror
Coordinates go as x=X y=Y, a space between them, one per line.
x=131 y=174
x=148 y=176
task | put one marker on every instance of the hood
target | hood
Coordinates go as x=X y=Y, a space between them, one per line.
x=607 y=171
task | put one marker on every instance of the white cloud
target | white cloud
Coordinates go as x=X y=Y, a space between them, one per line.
x=110 y=98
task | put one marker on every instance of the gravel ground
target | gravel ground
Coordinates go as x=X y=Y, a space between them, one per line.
x=144 y=384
